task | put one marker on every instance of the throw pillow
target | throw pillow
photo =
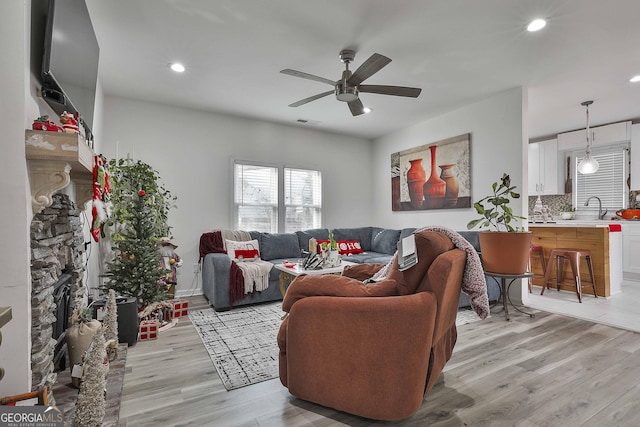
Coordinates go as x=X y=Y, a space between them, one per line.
x=243 y=251
x=345 y=247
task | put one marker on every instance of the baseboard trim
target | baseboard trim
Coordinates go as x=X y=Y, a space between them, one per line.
x=188 y=293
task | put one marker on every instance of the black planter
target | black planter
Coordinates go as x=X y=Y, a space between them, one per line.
x=127 y=318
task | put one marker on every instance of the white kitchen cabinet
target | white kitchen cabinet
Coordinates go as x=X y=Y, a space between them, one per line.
x=543 y=168
x=602 y=135
x=635 y=156
x=631 y=251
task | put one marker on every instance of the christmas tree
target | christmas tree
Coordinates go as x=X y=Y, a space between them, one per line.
x=111 y=318
x=90 y=406
x=135 y=270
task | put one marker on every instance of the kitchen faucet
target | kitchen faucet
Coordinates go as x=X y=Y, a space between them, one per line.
x=600 y=213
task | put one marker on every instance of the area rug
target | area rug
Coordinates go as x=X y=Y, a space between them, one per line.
x=242 y=342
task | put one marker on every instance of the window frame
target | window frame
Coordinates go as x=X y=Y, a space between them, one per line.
x=281 y=207
x=578 y=200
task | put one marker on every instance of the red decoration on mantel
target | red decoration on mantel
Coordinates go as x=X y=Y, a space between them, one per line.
x=101 y=191
x=615 y=228
x=141 y=193
x=69 y=123
x=43 y=123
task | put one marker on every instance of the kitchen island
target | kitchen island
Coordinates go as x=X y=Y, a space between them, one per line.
x=602 y=238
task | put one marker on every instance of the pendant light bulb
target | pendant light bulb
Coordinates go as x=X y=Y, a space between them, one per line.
x=588 y=164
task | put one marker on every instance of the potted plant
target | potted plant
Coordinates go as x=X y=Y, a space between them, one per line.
x=567 y=211
x=504 y=250
x=331 y=252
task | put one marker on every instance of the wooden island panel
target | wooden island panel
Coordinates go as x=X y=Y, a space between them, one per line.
x=595 y=239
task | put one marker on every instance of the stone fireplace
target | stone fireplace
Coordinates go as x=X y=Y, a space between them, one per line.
x=57 y=269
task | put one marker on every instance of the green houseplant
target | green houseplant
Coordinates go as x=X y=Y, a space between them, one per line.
x=505 y=249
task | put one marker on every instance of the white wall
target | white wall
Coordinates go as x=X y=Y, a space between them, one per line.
x=15 y=209
x=497 y=146
x=192 y=151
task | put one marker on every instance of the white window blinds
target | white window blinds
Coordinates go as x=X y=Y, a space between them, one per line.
x=609 y=183
x=273 y=198
x=302 y=199
x=256 y=197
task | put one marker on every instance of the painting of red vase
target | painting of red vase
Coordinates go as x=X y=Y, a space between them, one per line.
x=432 y=176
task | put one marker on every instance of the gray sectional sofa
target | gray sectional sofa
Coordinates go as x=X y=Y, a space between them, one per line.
x=378 y=244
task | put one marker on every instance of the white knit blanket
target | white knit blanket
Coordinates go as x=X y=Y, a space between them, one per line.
x=474 y=283
x=255 y=273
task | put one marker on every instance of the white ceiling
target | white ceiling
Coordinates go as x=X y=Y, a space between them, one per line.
x=457 y=51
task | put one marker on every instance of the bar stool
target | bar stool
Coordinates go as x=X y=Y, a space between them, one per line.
x=558 y=255
x=533 y=251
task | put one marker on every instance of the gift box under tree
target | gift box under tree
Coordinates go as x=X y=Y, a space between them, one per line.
x=180 y=308
x=148 y=330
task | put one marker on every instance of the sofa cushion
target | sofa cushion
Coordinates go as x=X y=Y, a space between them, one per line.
x=362 y=234
x=304 y=236
x=279 y=245
x=332 y=285
x=384 y=240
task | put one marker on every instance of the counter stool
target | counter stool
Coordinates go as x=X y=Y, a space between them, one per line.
x=558 y=255
x=536 y=250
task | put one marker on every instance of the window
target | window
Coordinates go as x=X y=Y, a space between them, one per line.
x=256 y=197
x=273 y=198
x=302 y=199
x=609 y=183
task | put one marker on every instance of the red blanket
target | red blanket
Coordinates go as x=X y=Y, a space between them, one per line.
x=211 y=243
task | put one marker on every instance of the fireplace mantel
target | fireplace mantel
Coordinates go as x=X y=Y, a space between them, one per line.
x=55 y=159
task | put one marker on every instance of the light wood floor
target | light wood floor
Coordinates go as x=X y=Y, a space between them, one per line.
x=547 y=371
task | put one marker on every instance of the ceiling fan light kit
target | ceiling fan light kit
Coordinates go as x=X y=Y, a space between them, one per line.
x=349 y=87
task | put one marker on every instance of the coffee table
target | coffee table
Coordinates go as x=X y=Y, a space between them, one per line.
x=288 y=274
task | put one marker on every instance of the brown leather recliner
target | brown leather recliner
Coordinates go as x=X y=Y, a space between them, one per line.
x=373 y=350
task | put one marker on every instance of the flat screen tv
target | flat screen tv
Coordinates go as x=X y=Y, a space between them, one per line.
x=70 y=61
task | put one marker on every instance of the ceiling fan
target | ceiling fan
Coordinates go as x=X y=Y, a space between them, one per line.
x=348 y=87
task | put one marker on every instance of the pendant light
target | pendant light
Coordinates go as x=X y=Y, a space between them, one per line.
x=588 y=164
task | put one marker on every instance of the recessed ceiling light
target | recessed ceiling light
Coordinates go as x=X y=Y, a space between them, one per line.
x=177 y=67
x=635 y=79
x=536 y=25
x=366 y=110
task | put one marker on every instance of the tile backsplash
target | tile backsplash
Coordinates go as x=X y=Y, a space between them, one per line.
x=555 y=203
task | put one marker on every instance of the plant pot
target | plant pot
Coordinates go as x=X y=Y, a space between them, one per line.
x=127 y=318
x=505 y=253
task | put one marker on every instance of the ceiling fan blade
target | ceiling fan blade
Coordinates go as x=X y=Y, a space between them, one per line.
x=411 y=92
x=311 y=98
x=308 y=76
x=356 y=107
x=371 y=66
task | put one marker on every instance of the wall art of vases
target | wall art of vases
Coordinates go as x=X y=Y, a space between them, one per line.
x=451 y=193
x=435 y=187
x=415 y=180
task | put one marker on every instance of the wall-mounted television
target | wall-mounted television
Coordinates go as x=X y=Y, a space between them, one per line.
x=70 y=61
